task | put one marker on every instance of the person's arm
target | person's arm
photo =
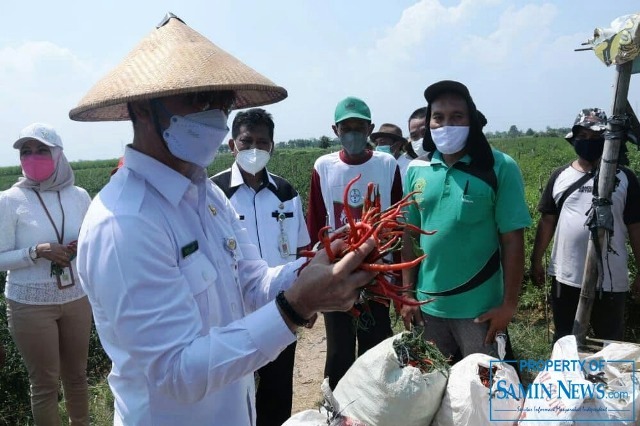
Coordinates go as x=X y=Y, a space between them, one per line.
x=410 y=240
x=12 y=258
x=396 y=195
x=547 y=223
x=634 y=241
x=317 y=211
x=631 y=215
x=512 y=261
x=303 y=233
x=396 y=186
x=148 y=307
x=410 y=314
x=544 y=235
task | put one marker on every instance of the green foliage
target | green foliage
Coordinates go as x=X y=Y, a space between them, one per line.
x=14 y=382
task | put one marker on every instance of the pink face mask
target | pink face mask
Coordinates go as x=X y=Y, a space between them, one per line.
x=38 y=167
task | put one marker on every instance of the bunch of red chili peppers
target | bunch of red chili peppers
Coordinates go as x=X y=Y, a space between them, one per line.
x=386 y=227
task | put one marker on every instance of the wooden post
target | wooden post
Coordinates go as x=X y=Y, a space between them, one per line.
x=606 y=180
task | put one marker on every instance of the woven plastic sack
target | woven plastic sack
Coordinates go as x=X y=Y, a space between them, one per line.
x=327 y=415
x=469 y=401
x=307 y=418
x=594 y=408
x=379 y=392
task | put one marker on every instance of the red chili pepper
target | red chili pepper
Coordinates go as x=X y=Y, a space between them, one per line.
x=387 y=228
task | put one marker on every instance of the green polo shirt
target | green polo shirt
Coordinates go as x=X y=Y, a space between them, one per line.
x=468 y=217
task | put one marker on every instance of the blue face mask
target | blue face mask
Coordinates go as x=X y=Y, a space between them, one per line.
x=384 y=148
x=353 y=142
x=195 y=138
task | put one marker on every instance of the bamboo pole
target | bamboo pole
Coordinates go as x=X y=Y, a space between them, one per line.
x=606 y=181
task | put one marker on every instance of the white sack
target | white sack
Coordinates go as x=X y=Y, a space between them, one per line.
x=377 y=391
x=466 y=400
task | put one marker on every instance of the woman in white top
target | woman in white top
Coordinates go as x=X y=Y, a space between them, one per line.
x=49 y=315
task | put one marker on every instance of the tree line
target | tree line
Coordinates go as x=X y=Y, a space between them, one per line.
x=327 y=141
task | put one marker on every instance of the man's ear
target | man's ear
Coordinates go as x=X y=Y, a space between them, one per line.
x=371 y=127
x=335 y=130
x=232 y=146
x=142 y=111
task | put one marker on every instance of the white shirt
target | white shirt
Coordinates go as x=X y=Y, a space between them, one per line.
x=185 y=327
x=272 y=216
x=403 y=163
x=571 y=236
x=335 y=175
x=23 y=224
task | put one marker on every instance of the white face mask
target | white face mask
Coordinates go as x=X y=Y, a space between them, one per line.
x=252 y=160
x=417 y=147
x=450 y=139
x=195 y=138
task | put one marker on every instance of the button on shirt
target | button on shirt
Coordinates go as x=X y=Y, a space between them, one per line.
x=272 y=215
x=181 y=299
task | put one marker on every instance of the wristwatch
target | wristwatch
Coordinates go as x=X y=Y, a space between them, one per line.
x=33 y=252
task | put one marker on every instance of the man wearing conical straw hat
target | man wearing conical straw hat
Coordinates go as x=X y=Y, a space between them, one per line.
x=184 y=306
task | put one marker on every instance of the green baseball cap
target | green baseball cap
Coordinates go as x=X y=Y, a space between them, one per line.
x=352 y=107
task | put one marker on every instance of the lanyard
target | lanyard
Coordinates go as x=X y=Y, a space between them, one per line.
x=63 y=279
x=55 y=228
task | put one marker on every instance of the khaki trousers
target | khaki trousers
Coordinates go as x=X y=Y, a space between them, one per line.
x=54 y=343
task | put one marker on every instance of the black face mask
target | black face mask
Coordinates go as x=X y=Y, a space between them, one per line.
x=589 y=149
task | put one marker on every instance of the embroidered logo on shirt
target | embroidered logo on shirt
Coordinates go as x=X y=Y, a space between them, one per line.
x=419 y=186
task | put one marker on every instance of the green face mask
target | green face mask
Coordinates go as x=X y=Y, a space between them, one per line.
x=384 y=148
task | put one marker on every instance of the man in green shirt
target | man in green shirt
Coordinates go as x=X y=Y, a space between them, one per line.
x=473 y=196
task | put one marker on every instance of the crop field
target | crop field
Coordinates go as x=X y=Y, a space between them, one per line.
x=537 y=157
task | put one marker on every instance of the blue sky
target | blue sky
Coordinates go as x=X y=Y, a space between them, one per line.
x=515 y=56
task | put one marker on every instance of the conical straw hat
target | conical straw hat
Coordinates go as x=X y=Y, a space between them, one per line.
x=173 y=59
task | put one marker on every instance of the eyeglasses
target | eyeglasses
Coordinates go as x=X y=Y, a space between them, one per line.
x=223 y=100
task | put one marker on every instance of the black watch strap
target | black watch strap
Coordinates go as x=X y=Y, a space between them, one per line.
x=295 y=317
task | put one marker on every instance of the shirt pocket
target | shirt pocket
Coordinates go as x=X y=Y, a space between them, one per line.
x=475 y=208
x=201 y=277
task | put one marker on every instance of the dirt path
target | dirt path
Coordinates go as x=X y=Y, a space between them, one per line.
x=308 y=370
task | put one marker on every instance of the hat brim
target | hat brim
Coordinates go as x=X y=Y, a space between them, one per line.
x=388 y=135
x=18 y=144
x=445 y=86
x=174 y=60
x=353 y=115
x=569 y=137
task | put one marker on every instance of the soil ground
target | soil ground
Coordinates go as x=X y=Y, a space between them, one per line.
x=308 y=371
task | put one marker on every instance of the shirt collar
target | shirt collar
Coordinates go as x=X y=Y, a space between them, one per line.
x=437 y=159
x=168 y=182
x=237 y=179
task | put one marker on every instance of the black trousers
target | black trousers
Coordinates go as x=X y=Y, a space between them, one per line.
x=342 y=335
x=275 y=389
x=607 y=315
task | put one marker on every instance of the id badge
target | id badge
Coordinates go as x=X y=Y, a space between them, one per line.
x=65 y=280
x=283 y=240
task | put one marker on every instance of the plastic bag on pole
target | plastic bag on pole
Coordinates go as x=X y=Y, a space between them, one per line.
x=620 y=43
